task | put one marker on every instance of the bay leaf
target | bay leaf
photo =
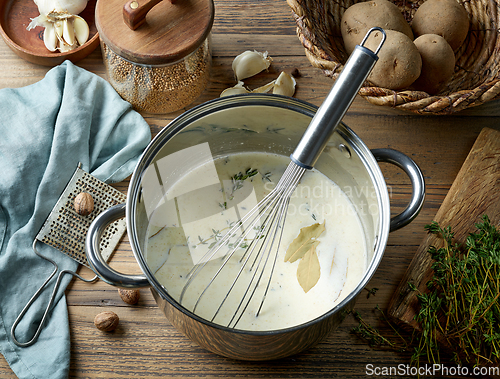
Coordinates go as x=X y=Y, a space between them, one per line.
x=308 y=271
x=303 y=242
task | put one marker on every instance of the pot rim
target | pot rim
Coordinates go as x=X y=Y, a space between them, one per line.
x=273 y=100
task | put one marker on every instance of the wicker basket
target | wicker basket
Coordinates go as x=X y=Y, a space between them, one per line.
x=476 y=79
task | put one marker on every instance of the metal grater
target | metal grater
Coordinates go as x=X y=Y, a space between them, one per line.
x=66 y=230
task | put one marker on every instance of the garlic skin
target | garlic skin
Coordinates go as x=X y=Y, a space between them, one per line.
x=285 y=85
x=239 y=89
x=236 y=90
x=64 y=29
x=250 y=63
x=265 y=88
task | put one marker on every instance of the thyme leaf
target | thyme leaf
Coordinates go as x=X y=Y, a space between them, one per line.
x=266 y=177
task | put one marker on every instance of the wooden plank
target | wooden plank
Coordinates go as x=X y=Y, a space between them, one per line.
x=145 y=342
x=146 y=345
x=475 y=192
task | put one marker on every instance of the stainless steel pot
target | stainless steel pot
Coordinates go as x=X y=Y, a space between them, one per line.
x=264 y=123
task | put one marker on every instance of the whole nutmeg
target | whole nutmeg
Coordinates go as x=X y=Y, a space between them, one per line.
x=106 y=321
x=84 y=204
x=129 y=296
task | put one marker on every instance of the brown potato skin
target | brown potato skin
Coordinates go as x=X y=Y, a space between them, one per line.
x=446 y=18
x=399 y=62
x=438 y=63
x=361 y=17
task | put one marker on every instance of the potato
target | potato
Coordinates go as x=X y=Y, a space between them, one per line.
x=438 y=63
x=446 y=18
x=399 y=62
x=360 y=17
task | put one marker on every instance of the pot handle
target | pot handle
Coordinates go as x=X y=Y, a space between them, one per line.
x=95 y=259
x=417 y=182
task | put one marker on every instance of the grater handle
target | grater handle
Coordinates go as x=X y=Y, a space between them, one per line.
x=35 y=296
x=95 y=259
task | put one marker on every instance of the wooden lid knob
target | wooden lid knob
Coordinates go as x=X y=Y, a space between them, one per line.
x=135 y=11
x=154 y=32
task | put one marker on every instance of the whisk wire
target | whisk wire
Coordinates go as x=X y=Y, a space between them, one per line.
x=251 y=246
x=262 y=207
x=283 y=210
x=268 y=254
x=263 y=247
x=256 y=214
x=295 y=173
x=274 y=207
x=281 y=224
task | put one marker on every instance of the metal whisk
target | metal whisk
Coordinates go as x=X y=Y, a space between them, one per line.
x=263 y=225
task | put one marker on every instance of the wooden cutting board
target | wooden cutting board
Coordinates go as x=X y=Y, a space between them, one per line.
x=475 y=191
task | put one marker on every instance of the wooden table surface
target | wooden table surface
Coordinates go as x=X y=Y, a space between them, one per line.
x=145 y=345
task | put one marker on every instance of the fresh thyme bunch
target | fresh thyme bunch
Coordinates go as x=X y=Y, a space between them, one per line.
x=460 y=310
x=462 y=307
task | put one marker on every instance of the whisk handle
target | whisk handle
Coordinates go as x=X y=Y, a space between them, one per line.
x=338 y=100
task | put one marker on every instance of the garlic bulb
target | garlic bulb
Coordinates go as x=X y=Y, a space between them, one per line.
x=250 y=63
x=285 y=85
x=64 y=30
x=67 y=6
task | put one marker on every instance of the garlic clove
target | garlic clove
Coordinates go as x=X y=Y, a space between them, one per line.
x=250 y=63
x=265 y=88
x=58 y=26
x=68 y=32
x=64 y=48
x=285 y=85
x=50 y=38
x=236 y=90
x=81 y=30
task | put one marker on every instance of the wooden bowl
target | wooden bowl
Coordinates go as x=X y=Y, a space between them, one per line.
x=477 y=69
x=15 y=18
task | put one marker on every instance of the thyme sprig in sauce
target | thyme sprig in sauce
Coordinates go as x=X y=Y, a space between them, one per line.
x=239 y=178
x=237 y=183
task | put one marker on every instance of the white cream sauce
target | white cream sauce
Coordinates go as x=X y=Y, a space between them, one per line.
x=187 y=222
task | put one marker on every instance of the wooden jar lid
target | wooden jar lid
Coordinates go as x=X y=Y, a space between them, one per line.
x=166 y=31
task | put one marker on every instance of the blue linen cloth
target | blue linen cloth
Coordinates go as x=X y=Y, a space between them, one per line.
x=46 y=128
